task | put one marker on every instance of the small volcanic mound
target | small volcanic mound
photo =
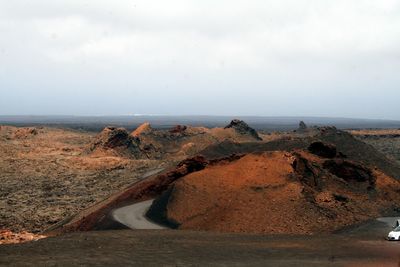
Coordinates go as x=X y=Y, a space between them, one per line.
x=112 y=137
x=116 y=141
x=277 y=192
x=243 y=128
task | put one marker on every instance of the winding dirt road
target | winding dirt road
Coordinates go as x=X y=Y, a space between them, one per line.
x=134 y=216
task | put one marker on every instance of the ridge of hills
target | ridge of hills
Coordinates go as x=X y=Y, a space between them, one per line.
x=323 y=170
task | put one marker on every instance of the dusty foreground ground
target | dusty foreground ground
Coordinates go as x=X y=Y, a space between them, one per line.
x=360 y=247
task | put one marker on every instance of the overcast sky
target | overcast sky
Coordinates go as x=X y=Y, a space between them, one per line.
x=269 y=57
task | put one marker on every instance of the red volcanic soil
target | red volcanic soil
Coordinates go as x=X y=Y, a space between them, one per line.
x=142 y=129
x=9 y=237
x=278 y=192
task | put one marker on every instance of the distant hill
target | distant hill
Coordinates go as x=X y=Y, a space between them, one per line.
x=97 y=123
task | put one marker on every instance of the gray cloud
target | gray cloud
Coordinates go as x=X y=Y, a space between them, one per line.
x=328 y=58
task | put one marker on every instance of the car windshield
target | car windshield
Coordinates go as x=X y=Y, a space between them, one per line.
x=397 y=229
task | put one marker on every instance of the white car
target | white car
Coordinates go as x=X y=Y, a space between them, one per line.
x=395 y=234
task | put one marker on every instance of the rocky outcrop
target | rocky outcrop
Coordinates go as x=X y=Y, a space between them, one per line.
x=350 y=171
x=243 y=128
x=302 y=126
x=112 y=137
x=323 y=149
x=308 y=173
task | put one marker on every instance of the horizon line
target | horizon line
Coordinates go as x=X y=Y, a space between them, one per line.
x=196 y=115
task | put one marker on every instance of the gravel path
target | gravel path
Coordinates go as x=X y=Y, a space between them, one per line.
x=134 y=216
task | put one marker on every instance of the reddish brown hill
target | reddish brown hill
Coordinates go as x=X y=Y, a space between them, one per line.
x=277 y=192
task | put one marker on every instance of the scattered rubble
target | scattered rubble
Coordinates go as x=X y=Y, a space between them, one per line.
x=25 y=132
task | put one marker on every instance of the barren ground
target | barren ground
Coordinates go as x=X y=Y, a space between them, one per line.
x=184 y=248
x=47 y=177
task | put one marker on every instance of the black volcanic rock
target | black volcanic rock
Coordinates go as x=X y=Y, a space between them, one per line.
x=324 y=150
x=112 y=137
x=243 y=128
x=350 y=171
x=117 y=139
x=178 y=129
x=302 y=125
